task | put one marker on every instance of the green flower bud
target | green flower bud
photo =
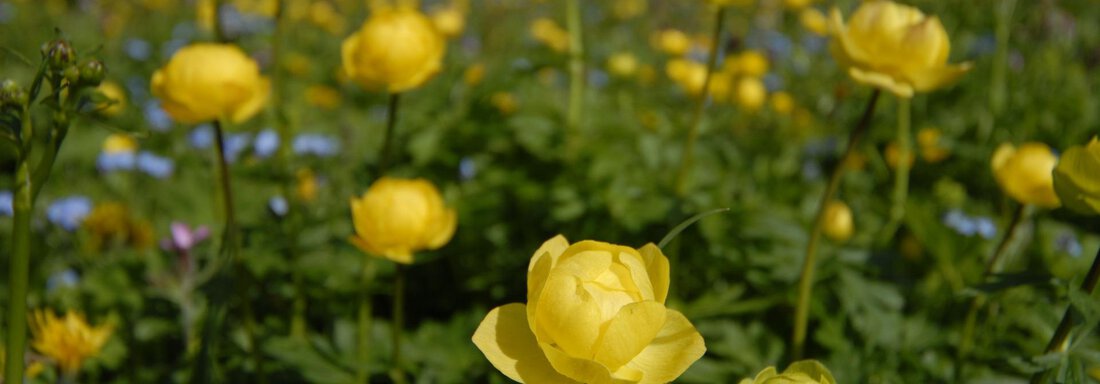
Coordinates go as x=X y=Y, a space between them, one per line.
x=72 y=74
x=59 y=53
x=93 y=72
x=12 y=93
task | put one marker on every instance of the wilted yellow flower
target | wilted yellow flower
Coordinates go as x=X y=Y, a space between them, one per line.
x=688 y=74
x=837 y=220
x=1025 y=173
x=931 y=146
x=799 y=372
x=204 y=82
x=814 y=21
x=396 y=49
x=622 y=64
x=627 y=9
x=116 y=98
x=68 y=340
x=449 y=21
x=750 y=93
x=782 y=103
x=504 y=102
x=397 y=217
x=548 y=32
x=672 y=42
x=1077 y=178
x=119 y=143
x=323 y=96
x=894 y=47
x=595 y=313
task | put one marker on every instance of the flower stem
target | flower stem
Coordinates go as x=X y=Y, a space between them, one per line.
x=687 y=158
x=387 y=139
x=991 y=266
x=397 y=373
x=1060 y=340
x=22 y=205
x=576 y=76
x=806 y=280
x=362 y=372
x=901 y=174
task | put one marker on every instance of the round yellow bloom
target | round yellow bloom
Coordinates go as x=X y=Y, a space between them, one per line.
x=397 y=217
x=595 y=313
x=688 y=74
x=782 y=103
x=204 y=82
x=396 y=50
x=449 y=21
x=118 y=143
x=622 y=64
x=548 y=32
x=1077 y=178
x=751 y=94
x=799 y=372
x=796 y=4
x=1025 y=173
x=931 y=146
x=672 y=42
x=67 y=340
x=116 y=98
x=814 y=21
x=892 y=155
x=894 y=47
x=504 y=102
x=752 y=63
x=837 y=220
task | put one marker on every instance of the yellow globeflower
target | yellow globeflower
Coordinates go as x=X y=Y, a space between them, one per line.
x=1024 y=173
x=799 y=372
x=751 y=94
x=752 y=63
x=67 y=340
x=622 y=64
x=595 y=313
x=814 y=21
x=688 y=74
x=796 y=4
x=450 y=21
x=504 y=102
x=931 y=145
x=397 y=217
x=626 y=9
x=116 y=98
x=204 y=82
x=396 y=49
x=782 y=103
x=672 y=42
x=837 y=219
x=548 y=32
x=894 y=47
x=119 y=143
x=1077 y=178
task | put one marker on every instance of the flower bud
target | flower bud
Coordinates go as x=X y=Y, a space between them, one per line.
x=59 y=53
x=1077 y=178
x=93 y=72
x=837 y=221
x=12 y=93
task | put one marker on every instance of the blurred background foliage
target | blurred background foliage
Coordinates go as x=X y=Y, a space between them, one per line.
x=489 y=131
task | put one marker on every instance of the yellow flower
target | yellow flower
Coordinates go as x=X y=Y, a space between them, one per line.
x=622 y=64
x=474 y=74
x=837 y=219
x=397 y=217
x=307 y=185
x=688 y=74
x=796 y=4
x=892 y=155
x=672 y=42
x=931 y=145
x=323 y=96
x=750 y=94
x=548 y=32
x=449 y=21
x=894 y=47
x=116 y=102
x=595 y=313
x=504 y=102
x=799 y=372
x=627 y=9
x=752 y=63
x=325 y=16
x=111 y=223
x=814 y=21
x=1024 y=173
x=119 y=143
x=396 y=50
x=67 y=340
x=782 y=103
x=721 y=85
x=205 y=82
x=1077 y=178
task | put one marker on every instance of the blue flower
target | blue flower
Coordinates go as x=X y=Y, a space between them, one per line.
x=1067 y=242
x=156 y=166
x=107 y=162
x=968 y=226
x=5 y=204
x=69 y=212
x=62 y=279
x=467 y=168
x=234 y=145
x=202 y=137
x=315 y=144
x=985 y=227
x=267 y=142
x=158 y=119
x=7 y=12
x=137 y=49
x=278 y=206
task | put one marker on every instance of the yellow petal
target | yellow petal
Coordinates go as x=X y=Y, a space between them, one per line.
x=638 y=275
x=254 y=103
x=675 y=348
x=881 y=81
x=567 y=315
x=1077 y=178
x=937 y=77
x=444 y=229
x=630 y=331
x=657 y=268
x=348 y=52
x=582 y=370
x=813 y=369
x=506 y=340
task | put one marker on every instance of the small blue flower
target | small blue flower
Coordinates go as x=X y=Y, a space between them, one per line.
x=156 y=166
x=158 y=119
x=278 y=206
x=234 y=145
x=773 y=82
x=267 y=142
x=597 y=78
x=5 y=204
x=1067 y=242
x=985 y=227
x=137 y=49
x=7 y=12
x=107 y=162
x=962 y=224
x=69 y=212
x=467 y=168
x=62 y=279
x=315 y=144
x=202 y=137
x=813 y=43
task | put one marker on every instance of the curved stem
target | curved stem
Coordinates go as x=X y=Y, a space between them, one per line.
x=806 y=279
x=22 y=205
x=687 y=158
x=901 y=174
x=576 y=76
x=398 y=372
x=1060 y=340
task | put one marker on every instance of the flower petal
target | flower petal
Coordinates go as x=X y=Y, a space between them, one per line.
x=582 y=370
x=937 y=77
x=630 y=331
x=506 y=340
x=657 y=268
x=881 y=81
x=567 y=314
x=675 y=348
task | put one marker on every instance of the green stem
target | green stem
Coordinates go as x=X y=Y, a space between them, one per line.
x=686 y=160
x=1060 y=340
x=901 y=174
x=576 y=76
x=398 y=372
x=991 y=266
x=384 y=157
x=363 y=346
x=806 y=279
x=22 y=204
